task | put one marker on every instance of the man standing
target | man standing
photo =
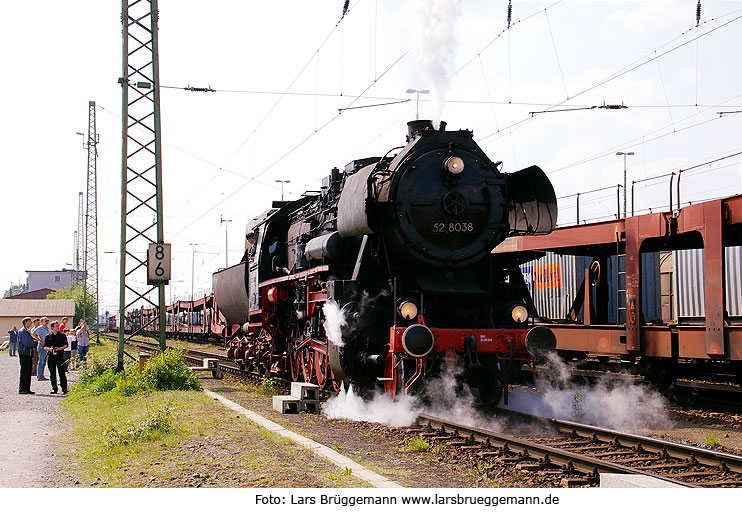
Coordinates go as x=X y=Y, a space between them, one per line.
x=63 y=326
x=26 y=344
x=54 y=344
x=13 y=337
x=35 y=352
x=41 y=332
x=83 y=340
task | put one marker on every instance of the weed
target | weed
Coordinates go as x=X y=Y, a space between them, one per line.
x=439 y=449
x=153 y=425
x=333 y=477
x=267 y=386
x=346 y=471
x=712 y=440
x=482 y=468
x=416 y=445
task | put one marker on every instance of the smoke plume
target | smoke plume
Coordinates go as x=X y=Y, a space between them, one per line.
x=619 y=404
x=434 y=44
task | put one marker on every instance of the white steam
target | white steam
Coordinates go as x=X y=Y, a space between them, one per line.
x=334 y=323
x=617 y=403
x=434 y=44
x=348 y=405
x=442 y=396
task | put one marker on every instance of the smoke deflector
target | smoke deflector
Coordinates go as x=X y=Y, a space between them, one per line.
x=534 y=205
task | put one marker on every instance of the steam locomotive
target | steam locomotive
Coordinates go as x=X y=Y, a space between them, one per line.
x=386 y=273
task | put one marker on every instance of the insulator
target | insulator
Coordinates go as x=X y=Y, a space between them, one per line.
x=510 y=11
x=698 y=13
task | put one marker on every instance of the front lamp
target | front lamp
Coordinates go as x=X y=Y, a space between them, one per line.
x=454 y=165
x=519 y=314
x=408 y=310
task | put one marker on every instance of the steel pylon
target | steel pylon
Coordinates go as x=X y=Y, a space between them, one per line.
x=90 y=253
x=79 y=248
x=141 y=170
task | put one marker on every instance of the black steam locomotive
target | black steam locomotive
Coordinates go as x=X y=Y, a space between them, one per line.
x=400 y=248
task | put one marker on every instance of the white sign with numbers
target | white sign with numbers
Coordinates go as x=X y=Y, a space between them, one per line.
x=158 y=263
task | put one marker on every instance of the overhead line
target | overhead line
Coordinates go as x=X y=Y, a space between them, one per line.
x=630 y=68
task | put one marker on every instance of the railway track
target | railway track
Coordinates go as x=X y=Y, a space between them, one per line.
x=574 y=453
x=578 y=453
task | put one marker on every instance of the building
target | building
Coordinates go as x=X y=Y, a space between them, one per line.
x=51 y=279
x=13 y=311
x=39 y=294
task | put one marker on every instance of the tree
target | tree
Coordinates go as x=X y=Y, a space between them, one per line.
x=84 y=308
x=14 y=289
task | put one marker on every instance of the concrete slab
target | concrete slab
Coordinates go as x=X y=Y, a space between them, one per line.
x=286 y=404
x=305 y=390
x=633 y=481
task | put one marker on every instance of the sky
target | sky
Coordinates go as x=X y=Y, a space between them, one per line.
x=283 y=70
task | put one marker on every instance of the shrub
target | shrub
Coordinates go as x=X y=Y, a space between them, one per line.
x=130 y=383
x=97 y=364
x=168 y=371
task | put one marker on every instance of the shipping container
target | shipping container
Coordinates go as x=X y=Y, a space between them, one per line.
x=672 y=285
x=688 y=284
x=554 y=280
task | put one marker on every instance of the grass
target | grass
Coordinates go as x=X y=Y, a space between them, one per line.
x=712 y=440
x=416 y=445
x=155 y=437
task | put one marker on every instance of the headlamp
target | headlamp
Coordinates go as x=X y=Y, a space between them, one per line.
x=454 y=165
x=408 y=310
x=519 y=314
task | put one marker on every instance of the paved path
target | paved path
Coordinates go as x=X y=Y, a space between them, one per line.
x=27 y=425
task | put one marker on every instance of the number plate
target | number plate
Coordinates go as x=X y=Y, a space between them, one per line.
x=453 y=227
x=158 y=263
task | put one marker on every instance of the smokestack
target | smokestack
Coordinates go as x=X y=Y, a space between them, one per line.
x=415 y=127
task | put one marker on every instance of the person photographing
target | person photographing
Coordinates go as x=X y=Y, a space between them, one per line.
x=54 y=344
x=83 y=339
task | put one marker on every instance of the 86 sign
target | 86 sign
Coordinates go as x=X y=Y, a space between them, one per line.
x=158 y=263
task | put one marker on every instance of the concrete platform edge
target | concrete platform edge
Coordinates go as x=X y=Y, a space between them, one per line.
x=323 y=451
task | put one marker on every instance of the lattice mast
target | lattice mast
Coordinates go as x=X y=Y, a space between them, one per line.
x=90 y=254
x=141 y=169
x=79 y=234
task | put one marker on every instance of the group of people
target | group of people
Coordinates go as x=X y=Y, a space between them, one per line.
x=39 y=343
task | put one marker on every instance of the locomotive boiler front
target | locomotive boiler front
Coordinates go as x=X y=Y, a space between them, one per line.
x=442 y=202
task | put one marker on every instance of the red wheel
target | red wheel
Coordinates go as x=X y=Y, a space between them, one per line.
x=307 y=355
x=295 y=355
x=322 y=369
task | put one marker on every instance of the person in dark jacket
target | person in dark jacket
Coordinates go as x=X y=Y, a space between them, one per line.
x=26 y=343
x=13 y=338
x=54 y=344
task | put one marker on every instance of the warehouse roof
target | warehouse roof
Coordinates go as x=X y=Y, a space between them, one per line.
x=22 y=308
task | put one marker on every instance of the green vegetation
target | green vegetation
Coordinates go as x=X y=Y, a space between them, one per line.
x=84 y=305
x=416 y=445
x=712 y=440
x=131 y=430
x=268 y=386
x=164 y=371
x=13 y=290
